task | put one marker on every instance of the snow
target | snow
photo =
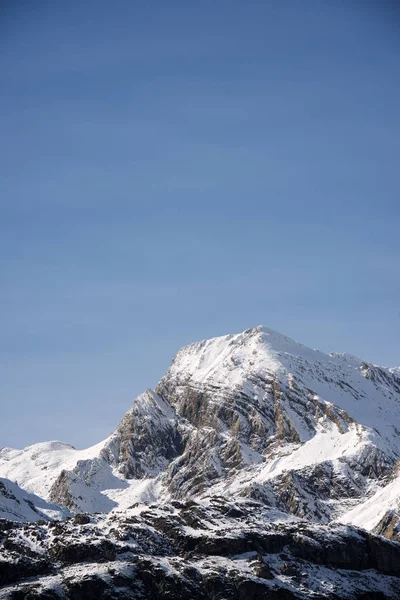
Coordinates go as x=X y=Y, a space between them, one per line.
x=18 y=505
x=324 y=446
x=36 y=467
x=237 y=361
x=231 y=361
x=137 y=491
x=367 y=514
x=226 y=360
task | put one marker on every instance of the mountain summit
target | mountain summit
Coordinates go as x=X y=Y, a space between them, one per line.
x=252 y=419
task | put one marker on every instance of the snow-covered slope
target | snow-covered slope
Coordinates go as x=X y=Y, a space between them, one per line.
x=36 y=467
x=18 y=505
x=277 y=420
x=368 y=513
x=242 y=363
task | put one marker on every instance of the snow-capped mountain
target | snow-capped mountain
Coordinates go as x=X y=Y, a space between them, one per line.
x=255 y=415
x=247 y=418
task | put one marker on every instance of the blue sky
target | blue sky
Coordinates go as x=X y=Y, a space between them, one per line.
x=172 y=171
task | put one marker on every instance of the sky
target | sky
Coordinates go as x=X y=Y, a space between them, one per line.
x=173 y=171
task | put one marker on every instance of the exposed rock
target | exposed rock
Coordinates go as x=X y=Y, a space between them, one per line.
x=389 y=526
x=195 y=551
x=81 y=519
x=146 y=440
x=72 y=553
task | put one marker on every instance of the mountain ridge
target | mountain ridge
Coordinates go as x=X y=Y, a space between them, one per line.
x=239 y=397
x=240 y=424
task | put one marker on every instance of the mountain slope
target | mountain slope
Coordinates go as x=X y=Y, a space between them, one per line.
x=271 y=415
x=18 y=505
x=229 y=480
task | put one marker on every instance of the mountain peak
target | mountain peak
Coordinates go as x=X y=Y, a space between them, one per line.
x=230 y=359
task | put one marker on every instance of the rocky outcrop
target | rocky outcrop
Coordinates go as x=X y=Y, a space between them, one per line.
x=72 y=491
x=389 y=526
x=186 y=550
x=146 y=440
x=60 y=491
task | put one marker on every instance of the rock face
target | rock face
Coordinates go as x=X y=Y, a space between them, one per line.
x=247 y=401
x=191 y=550
x=389 y=526
x=242 y=423
x=146 y=440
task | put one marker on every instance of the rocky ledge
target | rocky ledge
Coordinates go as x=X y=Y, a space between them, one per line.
x=186 y=550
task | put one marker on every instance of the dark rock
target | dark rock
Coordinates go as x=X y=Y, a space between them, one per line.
x=81 y=552
x=87 y=588
x=290 y=570
x=81 y=519
x=20 y=568
x=262 y=570
x=6 y=525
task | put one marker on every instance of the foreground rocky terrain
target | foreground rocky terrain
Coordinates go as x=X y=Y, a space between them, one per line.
x=257 y=468
x=189 y=550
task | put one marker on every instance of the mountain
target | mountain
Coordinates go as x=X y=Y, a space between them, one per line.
x=254 y=415
x=241 y=423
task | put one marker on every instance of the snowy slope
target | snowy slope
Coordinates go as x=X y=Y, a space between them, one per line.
x=240 y=361
x=36 y=467
x=367 y=514
x=299 y=412
x=18 y=505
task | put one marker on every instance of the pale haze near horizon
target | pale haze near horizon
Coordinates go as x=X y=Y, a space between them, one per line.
x=176 y=171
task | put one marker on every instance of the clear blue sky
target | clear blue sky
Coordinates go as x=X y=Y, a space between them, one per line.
x=172 y=171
